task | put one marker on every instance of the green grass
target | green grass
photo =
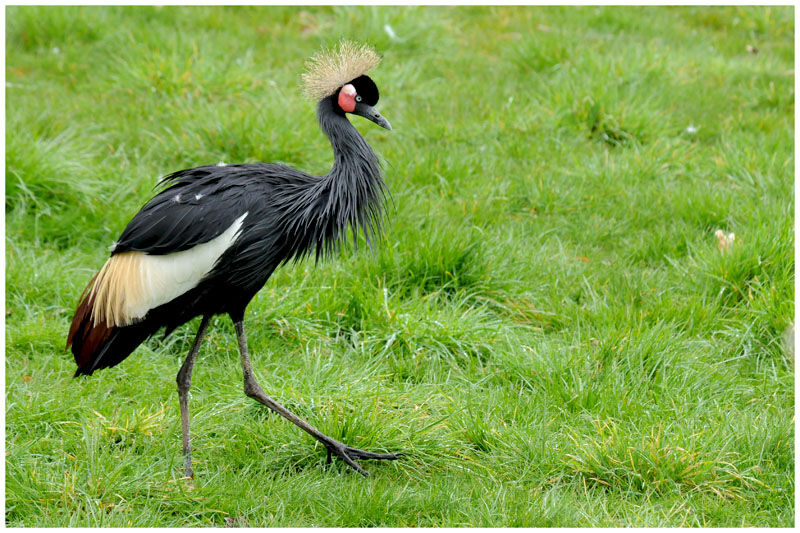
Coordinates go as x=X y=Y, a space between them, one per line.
x=548 y=330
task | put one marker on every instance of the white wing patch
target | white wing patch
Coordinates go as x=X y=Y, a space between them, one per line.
x=132 y=283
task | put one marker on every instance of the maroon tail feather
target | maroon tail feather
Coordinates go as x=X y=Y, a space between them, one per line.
x=97 y=346
x=84 y=337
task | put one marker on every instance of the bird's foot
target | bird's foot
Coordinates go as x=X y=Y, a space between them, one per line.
x=348 y=455
x=187 y=469
x=188 y=474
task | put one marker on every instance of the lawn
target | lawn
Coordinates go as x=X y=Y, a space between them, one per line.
x=548 y=329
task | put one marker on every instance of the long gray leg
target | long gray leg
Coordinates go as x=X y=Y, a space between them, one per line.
x=184 y=380
x=254 y=390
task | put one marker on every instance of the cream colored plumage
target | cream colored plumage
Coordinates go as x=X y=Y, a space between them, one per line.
x=132 y=283
x=330 y=69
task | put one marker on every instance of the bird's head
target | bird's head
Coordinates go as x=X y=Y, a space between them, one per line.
x=341 y=75
x=359 y=97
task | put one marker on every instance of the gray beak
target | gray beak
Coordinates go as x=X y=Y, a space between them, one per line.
x=370 y=113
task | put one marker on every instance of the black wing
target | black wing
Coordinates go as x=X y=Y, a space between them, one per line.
x=197 y=206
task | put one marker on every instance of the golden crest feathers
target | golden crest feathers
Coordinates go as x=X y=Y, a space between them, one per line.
x=329 y=69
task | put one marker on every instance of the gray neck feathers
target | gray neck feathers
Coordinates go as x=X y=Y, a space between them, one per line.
x=351 y=194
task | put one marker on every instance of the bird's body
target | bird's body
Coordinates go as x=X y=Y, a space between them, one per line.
x=209 y=241
x=271 y=213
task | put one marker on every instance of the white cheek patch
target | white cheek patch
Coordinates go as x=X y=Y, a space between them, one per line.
x=130 y=284
x=349 y=90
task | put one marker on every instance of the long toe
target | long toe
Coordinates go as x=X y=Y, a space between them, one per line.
x=363 y=454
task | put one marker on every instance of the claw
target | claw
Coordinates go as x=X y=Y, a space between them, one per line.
x=347 y=454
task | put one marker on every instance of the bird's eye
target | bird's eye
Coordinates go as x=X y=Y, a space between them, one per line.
x=358 y=98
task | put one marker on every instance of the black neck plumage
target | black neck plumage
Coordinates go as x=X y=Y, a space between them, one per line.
x=351 y=195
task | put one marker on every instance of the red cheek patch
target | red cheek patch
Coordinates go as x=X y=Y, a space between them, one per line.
x=347 y=98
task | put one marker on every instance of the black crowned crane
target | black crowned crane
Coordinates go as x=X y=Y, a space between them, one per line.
x=208 y=242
